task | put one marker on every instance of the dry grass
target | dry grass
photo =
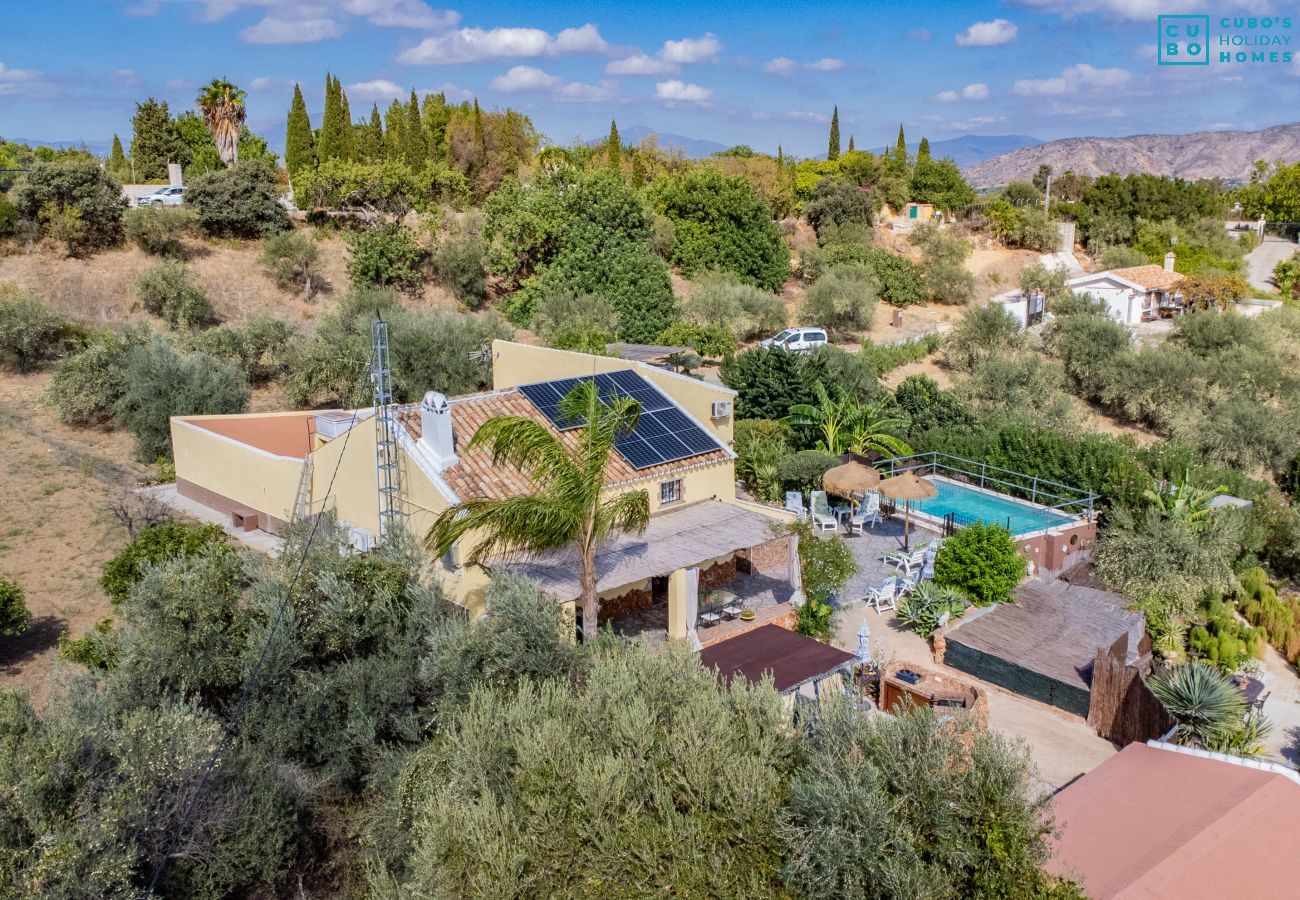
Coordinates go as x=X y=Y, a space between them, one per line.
x=55 y=485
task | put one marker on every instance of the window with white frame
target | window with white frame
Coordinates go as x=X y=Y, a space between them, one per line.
x=670 y=492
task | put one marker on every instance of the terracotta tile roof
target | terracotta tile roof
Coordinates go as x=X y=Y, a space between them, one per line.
x=475 y=477
x=1150 y=276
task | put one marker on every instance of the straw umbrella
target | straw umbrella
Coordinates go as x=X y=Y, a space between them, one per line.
x=907 y=487
x=850 y=478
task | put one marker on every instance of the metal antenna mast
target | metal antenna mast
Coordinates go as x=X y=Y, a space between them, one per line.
x=387 y=468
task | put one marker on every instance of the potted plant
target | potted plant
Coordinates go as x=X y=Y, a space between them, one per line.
x=747 y=615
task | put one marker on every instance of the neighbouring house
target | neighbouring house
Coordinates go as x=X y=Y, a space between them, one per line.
x=1028 y=308
x=800 y=667
x=1157 y=820
x=1135 y=294
x=911 y=214
x=263 y=469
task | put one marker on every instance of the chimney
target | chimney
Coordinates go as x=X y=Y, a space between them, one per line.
x=435 y=429
x=1169 y=261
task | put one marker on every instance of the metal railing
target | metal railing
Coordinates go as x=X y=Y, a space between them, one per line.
x=1036 y=489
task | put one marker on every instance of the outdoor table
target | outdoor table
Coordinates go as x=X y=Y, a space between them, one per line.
x=731 y=611
x=710 y=618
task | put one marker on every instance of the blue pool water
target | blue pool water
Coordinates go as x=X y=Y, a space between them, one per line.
x=994 y=509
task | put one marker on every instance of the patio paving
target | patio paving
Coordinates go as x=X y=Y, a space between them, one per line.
x=760 y=592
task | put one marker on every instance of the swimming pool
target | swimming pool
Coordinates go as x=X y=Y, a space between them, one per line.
x=974 y=505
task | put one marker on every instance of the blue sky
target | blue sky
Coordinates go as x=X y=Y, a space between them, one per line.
x=760 y=72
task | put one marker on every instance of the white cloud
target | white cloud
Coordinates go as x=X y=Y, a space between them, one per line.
x=825 y=64
x=577 y=92
x=291 y=31
x=977 y=91
x=676 y=90
x=125 y=78
x=640 y=64
x=1072 y=80
x=790 y=116
x=691 y=50
x=947 y=96
x=23 y=82
x=1131 y=10
x=523 y=79
x=402 y=14
x=782 y=65
x=379 y=89
x=987 y=34
x=142 y=10
x=471 y=45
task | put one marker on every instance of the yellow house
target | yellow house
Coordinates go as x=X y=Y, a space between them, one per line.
x=262 y=470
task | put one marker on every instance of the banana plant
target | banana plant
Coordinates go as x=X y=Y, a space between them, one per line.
x=832 y=416
x=1187 y=503
x=872 y=430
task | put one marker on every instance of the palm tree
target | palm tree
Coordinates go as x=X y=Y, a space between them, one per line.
x=1188 y=504
x=871 y=430
x=831 y=416
x=1207 y=705
x=568 y=508
x=222 y=105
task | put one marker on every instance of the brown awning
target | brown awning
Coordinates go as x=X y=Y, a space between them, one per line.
x=791 y=658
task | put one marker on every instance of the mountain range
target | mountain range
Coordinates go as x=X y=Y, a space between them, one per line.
x=969 y=149
x=1229 y=155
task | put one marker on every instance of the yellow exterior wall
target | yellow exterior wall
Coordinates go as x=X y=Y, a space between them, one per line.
x=354 y=497
x=251 y=477
x=515 y=364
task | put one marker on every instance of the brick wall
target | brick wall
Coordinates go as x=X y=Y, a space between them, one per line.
x=771 y=556
x=224 y=505
x=718 y=574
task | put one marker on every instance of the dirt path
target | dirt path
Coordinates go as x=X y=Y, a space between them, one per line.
x=1261 y=262
x=55 y=485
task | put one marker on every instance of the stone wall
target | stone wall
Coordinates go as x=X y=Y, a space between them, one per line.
x=636 y=600
x=718 y=575
x=772 y=556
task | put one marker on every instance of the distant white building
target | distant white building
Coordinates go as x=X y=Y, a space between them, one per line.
x=1136 y=294
x=1028 y=308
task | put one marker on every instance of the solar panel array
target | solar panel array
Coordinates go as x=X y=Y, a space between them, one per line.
x=663 y=433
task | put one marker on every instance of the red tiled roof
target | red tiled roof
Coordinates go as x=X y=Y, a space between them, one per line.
x=792 y=659
x=1151 y=822
x=476 y=477
x=1150 y=276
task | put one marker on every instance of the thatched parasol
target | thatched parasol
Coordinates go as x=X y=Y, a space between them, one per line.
x=907 y=487
x=849 y=479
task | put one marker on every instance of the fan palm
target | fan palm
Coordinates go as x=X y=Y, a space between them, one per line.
x=222 y=105
x=567 y=509
x=1207 y=705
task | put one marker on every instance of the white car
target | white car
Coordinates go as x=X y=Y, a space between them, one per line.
x=797 y=340
x=167 y=196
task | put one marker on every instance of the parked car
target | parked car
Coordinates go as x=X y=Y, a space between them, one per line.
x=797 y=339
x=166 y=196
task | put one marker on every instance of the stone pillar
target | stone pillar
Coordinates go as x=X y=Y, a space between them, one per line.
x=677 y=604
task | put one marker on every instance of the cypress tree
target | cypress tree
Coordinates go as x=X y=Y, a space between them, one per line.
x=330 y=145
x=394 y=125
x=349 y=140
x=900 y=148
x=480 y=137
x=780 y=156
x=851 y=147
x=638 y=169
x=833 y=149
x=413 y=149
x=435 y=114
x=118 y=166
x=923 y=150
x=614 y=147
x=372 y=134
x=299 y=145
x=155 y=141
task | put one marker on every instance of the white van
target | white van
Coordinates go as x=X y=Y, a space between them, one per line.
x=797 y=340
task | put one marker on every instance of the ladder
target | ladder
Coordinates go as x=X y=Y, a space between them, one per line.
x=302 y=497
x=387 y=458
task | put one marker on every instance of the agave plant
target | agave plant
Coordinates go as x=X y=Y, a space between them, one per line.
x=1207 y=706
x=1247 y=739
x=921 y=609
x=222 y=105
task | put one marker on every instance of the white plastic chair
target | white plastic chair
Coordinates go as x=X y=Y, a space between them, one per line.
x=884 y=597
x=910 y=563
x=794 y=503
x=822 y=517
x=868 y=514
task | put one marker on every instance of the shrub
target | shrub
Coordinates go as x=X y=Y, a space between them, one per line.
x=769 y=380
x=14 y=617
x=88 y=383
x=803 y=471
x=902 y=282
x=9 y=227
x=161 y=383
x=929 y=406
x=712 y=341
x=158 y=230
x=79 y=185
x=838 y=201
x=843 y=299
x=31 y=334
x=155 y=545
x=292 y=259
x=1203 y=701
x=1121 y=257
x=815 y=618
x=943 y=258
x=827 y=564
x=1022 y=385
x=261 y=349
x=885 y=358
x=981 y=561
x=563 y=320
x=458 y=266
x=922 y=607
x=94 y=649
x=169 y=290
x=386 y=256
x=243 y=202
x=747 y=311
x=982 y=333
x=761 y=444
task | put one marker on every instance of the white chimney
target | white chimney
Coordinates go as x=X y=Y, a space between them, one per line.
x=1169 y=261
x=435 y=429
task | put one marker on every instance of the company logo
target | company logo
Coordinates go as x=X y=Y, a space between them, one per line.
x=1187 y=41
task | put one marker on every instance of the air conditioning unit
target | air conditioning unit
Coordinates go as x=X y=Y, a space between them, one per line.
x=721 y=409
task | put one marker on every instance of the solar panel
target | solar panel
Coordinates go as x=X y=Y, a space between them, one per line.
x=663 y=433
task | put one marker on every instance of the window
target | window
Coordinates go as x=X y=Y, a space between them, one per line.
x=670 y=492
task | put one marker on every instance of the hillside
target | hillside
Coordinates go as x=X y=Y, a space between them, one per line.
x=969 y=149
x=1205 y=154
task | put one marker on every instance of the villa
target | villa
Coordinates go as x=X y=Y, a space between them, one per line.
x=1135 y=294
